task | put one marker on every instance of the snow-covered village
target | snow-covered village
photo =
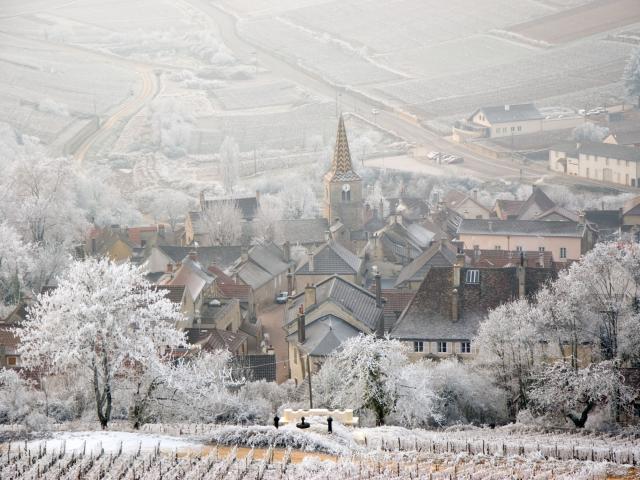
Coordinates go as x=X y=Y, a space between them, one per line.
x=319 y=239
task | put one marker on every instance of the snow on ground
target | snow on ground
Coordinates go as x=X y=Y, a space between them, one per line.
x=111 y=442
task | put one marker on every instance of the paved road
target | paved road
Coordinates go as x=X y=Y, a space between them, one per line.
x=124 y=111
x=272 y=319
x=390 y=119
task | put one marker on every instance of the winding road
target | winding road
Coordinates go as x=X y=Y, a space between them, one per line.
x=124 y=111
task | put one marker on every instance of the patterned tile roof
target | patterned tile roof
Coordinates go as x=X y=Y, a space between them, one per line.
x=341 y=168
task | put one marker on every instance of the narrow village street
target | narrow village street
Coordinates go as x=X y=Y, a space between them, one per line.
x=272 y=319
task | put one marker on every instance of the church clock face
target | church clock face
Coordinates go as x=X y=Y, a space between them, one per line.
x=346 y=187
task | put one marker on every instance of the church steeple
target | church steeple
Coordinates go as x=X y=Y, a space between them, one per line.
x=341 y=168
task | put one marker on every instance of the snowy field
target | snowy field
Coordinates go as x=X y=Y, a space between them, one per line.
x=257 y=453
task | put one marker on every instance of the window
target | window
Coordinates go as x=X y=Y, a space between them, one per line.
x=346 y=196
x=13 y=361
x=541 y=249
x=563 y=252
x=497 y=247
x=513 y=129
x=587 y=175
x=519 y=128
x=465 y=347
x=473 y=276
x=442 y=347
x=418 y=346
x=519 y=248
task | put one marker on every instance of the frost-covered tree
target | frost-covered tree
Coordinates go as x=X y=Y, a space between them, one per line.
x=223 y=223
x=172 y=126
x=559 y=390
x=298 y=200
x=265 y=225
x=16 y=265
x=103 y=319
x=20 y=401
x=365 y=374
x=229 y=163
x=590 y=132
x=631 y=75
x=167 y=205
x=509 y=343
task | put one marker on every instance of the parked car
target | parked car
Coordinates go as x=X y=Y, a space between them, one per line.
x=282 y=297
x=433 y=155
x=455 y=159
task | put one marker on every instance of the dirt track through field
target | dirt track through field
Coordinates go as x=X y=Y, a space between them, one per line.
x=579 y=22
x=258 y=454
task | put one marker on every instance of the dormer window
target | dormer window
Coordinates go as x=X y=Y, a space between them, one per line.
x=472 y=277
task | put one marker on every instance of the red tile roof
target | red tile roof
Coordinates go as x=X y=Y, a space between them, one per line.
x=175 y=293
x=228 y=287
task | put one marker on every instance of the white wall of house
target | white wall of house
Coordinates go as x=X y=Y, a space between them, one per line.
x=515 y=128
x=622 y=172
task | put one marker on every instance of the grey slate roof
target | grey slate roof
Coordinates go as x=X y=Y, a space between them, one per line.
x=222 y=256
x=429 y=314
x=303 y=231
x=521 y=227
x=332 y=258
x=352 y=298
x=440 y=254
x=537 y=203
x=514 y=113
x=265 y=262
x=324 y=335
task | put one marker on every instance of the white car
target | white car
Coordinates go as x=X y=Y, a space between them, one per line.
x=433 y=155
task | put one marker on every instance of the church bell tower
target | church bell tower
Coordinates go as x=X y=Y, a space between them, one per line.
x=343 y=187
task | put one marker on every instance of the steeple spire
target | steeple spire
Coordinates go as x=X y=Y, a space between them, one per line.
x=341 y=168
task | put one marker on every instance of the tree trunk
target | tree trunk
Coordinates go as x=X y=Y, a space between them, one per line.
x=102 y=393
x=579 y=421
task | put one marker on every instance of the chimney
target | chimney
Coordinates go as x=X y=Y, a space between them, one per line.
x=302 y=334
x=475 y=194
x=289 y=283
x=541 y=259
x=381 y=210
x=169 y=267
x=309 y=296
x=476 y=252
x=521 y=279
x=193 y=256
x=327 y=235
x=455 y=314
x=490 y=225
x=203 y=203
x=456 y=269
x=286 y=251
x=378 y=290
x=258 y=197
x=581 y=218
x=311 y=261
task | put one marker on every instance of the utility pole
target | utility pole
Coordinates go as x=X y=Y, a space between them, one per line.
x=309 y=376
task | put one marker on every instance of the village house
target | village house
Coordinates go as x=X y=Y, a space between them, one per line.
x=162 y=255
x=122 y=244
x=329 y=259
x=500 y=121
x=320 y=318
x=597 y=161
x=443 y=317
x=566 y=240
x=264 y=268
x=211 y=340
x=9 y=342
x=441 y=254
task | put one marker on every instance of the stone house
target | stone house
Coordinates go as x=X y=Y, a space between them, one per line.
x=323 y=316
x=329 y=259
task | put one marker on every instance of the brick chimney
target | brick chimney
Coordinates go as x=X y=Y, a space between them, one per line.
x=169 y=268
x=378 y=282
x=311 y=261
x=302 y=334
x=193 y=256
x=455 y=313
x=309 y=296
x=286 y=251
x=456 y=269
x=289 y=283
